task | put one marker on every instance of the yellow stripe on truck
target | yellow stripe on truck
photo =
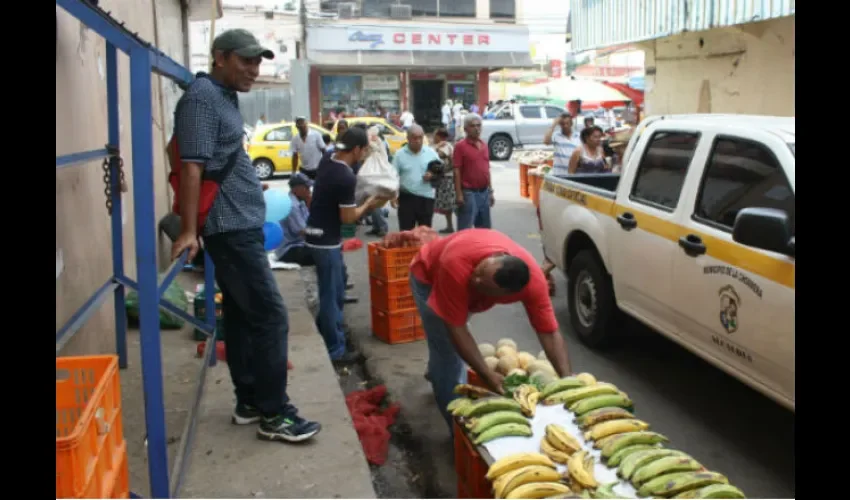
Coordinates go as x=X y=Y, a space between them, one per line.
x=736 y=255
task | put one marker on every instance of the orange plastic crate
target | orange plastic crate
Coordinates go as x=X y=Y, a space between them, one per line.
x=90 y=446
x=535 y=182
x=470 y=468
x=398 y=327
x=390 y=264
x=523 y=179
x=121 y=486
x=391 y=296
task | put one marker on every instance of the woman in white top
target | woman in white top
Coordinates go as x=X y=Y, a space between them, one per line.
x=589 y=158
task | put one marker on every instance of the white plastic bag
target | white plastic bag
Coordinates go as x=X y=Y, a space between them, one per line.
x=376 y=176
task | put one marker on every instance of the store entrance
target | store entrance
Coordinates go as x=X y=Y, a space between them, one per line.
x=427 y=99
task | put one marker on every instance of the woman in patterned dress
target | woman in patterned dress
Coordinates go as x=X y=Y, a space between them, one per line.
x=445 y=199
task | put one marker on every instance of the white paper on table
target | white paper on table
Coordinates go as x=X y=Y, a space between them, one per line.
x=557 y=414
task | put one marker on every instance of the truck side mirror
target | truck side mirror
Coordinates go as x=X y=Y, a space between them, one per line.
x=765 y=228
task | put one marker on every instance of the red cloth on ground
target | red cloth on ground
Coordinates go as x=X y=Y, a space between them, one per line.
x=371 y=421
x=352 y=244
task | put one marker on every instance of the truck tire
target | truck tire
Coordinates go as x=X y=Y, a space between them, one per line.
x=590 y=297
x=501 y=148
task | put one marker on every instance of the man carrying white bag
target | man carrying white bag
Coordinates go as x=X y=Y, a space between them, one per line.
x=377 y=176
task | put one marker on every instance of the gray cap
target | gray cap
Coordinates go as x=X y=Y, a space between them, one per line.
x=241 y=42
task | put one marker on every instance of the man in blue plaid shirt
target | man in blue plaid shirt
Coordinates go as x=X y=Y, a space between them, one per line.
x=209 y=129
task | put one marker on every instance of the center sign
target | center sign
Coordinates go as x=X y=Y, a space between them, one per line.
x=432 y=39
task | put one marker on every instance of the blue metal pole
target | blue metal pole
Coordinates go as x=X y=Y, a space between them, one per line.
x=117 y=204
x=146 y=268
x=209 y=301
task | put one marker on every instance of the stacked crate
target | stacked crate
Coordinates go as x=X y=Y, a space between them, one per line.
x=523 y=179
x=395 y=319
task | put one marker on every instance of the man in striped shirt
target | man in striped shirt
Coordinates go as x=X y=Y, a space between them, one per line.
x=565 y=140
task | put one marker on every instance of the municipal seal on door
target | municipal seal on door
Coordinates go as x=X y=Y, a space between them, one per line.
x=729 y=303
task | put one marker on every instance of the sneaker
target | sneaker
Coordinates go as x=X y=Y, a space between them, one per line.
x=245 y=415
x=349 y=358
x=351 y=299
x=292 y=429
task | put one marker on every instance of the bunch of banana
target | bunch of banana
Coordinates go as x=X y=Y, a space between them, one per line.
x=516 y=461
x=663 y=466
x=455 y=406
x=615 y=443
x=713 y=491
x=639 y=459
x=606 y=491
x=612 y=427
x=587 y=378
x=562 y=440
x=562 y=384
x=478 y=425
x=539 y=490
x=570 y=396
x=527 y=396
x=679 y=482
x=525 y=475
x=600 y=415
x=473 y=392
x=580 y=470
x=583 y=406
x=487 y=405
x=615 y=459
x=553 y=453
x=504 y=430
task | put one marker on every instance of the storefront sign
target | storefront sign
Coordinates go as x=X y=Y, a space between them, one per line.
x=380 y=82
x=423 y=38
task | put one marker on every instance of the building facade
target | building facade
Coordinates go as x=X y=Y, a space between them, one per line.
x=709 y=56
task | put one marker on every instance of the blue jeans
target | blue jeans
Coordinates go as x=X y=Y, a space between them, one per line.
x=446 y=369
x=330 y=271
x=379 y=221
x=475 y=211
x=256 y=325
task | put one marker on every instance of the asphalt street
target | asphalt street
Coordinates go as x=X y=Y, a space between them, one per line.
x=706 y=413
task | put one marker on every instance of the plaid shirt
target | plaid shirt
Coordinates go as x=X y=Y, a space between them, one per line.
x=210 y=128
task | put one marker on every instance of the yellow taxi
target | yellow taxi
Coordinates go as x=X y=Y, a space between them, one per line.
x=396 y=138
x=269 y=147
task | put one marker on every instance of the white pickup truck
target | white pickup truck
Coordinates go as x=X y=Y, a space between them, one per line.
x=695 y=238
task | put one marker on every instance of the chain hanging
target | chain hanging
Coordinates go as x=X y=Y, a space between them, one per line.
x=114 y=158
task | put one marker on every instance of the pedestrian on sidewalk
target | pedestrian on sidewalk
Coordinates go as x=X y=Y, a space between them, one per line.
x=416 y=193
x=445 y=202
x=469 y=272
x=474 y=191
x=294 y=248
x=307 y=148
x=334 y=205
x=208 y=129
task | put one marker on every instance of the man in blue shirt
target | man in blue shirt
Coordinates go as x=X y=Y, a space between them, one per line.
x=209 y=128
x=294 y=248
x=416 y=193
x=333 y=205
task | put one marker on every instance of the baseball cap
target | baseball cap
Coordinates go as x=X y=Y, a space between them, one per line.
x=242 y=42
x=299 y=179
x=351 y=139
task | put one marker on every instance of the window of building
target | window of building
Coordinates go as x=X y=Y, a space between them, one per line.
x=457 y=8
x=371 y=92
x=502 y=9
x=742 y=174
x=662 y=170
x=419 y=8
x=422 y=7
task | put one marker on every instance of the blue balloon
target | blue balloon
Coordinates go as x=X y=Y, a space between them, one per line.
x=278 y=205
x=273 y=235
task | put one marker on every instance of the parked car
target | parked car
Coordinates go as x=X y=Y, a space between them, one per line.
x=516 y=126
x=269 y=148
x=696 y=239
x=394 y=136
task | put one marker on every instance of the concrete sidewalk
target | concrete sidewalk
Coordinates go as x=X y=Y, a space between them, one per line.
x=229 y=461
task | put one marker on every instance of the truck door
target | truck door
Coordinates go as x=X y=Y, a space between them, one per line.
x=736 y=303
x=644 y=239
x=532 y=124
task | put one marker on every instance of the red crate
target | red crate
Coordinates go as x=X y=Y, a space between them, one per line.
x=399 y=327
x=470 y=468
x=390 y=264
x=391 y=296
x=472 y=378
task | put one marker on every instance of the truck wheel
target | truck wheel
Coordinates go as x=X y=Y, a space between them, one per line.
x=590 y=295
x=501 y=148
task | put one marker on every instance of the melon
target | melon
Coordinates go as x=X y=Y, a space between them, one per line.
x=504 y=342
x=492 y=362
x=541 y=366
x=507 y=363
x=487 y=349
x=505 y=350
x=542 y=356
x=525 y=359
x=542 y=378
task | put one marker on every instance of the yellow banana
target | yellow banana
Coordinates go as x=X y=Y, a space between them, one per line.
x=553 y=453
x=561 y=439
x=570 y=396
x=580 y=469
x=587 y=378
x=530 y=474
x=559 y=385
x=600 y=415
x=612 y=427
x=539 y=490
x=522 y=395
x=516 y=461
x=533 y=399
x=499 y=484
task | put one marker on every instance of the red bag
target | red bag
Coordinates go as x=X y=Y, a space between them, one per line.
x=210 y=181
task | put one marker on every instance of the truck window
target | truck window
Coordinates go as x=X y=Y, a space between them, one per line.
x=663 y=168
x=530 y=111
x=553 y=112
x=741 y=174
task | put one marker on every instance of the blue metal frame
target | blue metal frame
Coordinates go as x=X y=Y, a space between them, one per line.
x=144 y=59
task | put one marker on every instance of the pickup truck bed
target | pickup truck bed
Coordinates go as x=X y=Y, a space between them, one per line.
x=603 y=184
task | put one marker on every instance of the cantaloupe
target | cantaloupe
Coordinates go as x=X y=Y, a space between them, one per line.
x=543 y=377
x=487 y=349
x=541 y=366
x=506 y=350
x=503 y=342
x=492 y=362
x=525 y=359
x=507 y=363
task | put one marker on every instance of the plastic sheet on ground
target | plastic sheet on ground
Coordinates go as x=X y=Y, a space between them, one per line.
x=557 y=414
x=371 y=421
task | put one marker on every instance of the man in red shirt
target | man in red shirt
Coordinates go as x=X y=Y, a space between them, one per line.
x=474 y=193
x=470 y=272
